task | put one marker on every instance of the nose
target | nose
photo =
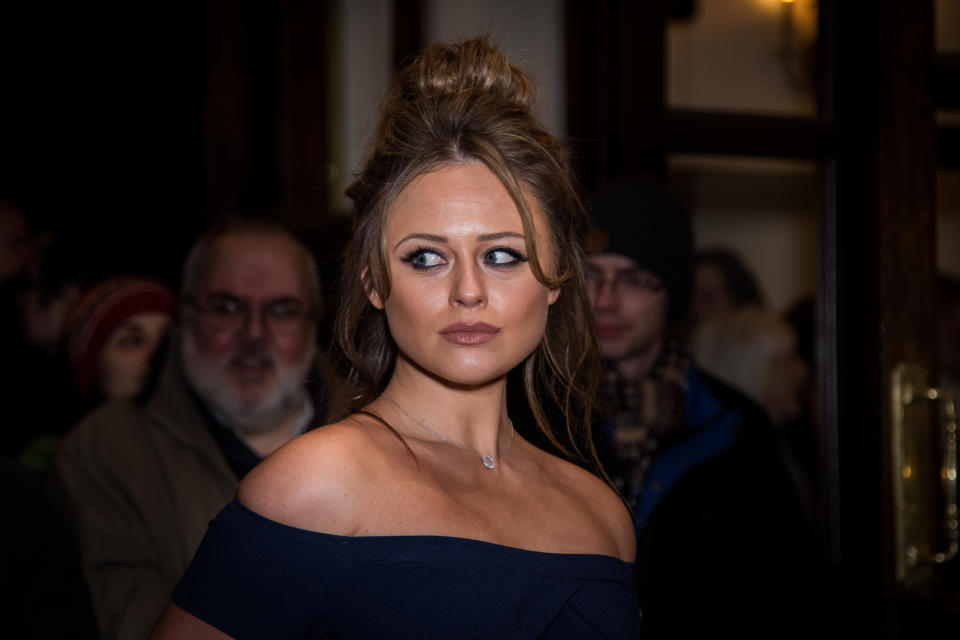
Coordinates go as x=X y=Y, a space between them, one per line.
x=254 y=326
x=604 y=295
x=468 y=289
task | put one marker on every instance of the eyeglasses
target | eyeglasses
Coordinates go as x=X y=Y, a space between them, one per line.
x=226 y=314
x=623 y=281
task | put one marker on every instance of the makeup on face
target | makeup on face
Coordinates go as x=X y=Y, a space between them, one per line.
x=464 y=303
x=467 y=334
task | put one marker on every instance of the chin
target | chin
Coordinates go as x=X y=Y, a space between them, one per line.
x=471 y=372
x=247 y=391
x=612 y=352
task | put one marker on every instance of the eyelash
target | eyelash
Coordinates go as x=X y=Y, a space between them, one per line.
x=518 y=258
x=416 y=253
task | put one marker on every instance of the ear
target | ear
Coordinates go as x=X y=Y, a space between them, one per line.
x=553 y=295
x=372 y=294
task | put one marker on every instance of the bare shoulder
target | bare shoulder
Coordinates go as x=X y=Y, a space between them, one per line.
x=176 y=623
x=317 y=480
x=602 y=503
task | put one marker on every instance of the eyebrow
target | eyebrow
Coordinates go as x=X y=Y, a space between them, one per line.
x=486 y=237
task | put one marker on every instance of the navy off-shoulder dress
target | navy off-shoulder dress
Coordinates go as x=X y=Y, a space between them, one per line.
x=256 y=578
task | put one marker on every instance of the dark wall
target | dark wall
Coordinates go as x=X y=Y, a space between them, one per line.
x=131 y=128
x=101 y=129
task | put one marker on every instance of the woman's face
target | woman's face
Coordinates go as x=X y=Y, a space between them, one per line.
x=464 y=304
x=125 y=359
x=711 y=298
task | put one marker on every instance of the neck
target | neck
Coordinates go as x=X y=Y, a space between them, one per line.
x=266 y=441
x=473 y=416
x=638 y=364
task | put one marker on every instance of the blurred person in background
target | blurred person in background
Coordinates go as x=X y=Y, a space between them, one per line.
x=722 y=544
x=113 y=334
x=16 y=241
x=35 y=367
x=722 y=283
x=143 y=476
x=755 y=351
x=40 y=575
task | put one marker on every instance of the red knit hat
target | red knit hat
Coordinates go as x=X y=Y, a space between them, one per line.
x=104 y=308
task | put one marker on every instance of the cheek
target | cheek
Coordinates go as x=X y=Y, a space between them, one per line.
x=407 y=306
x=640 y=308
x=122 y=364
x=213 y=342
x=531 y=316
x=655 y=307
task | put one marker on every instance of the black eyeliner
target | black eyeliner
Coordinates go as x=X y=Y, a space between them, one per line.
x=516 y=255
x=412 y=255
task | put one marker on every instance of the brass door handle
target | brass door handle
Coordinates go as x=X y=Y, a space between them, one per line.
x=917 y=450
x=948 y=473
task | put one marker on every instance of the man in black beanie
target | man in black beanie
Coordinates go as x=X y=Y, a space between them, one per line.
x=699 y=463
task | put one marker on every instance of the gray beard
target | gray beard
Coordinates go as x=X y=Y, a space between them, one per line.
x=244 y=415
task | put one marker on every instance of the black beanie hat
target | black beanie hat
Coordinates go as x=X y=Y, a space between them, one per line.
x=637 y=217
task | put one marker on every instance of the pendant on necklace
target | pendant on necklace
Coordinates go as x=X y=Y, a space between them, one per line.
x=488 y=461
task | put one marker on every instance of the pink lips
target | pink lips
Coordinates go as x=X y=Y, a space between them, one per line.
x=464 y=333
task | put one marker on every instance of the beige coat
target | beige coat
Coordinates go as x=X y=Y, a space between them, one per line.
x=141 y=482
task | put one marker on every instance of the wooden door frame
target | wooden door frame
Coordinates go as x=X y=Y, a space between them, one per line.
x=874 y=138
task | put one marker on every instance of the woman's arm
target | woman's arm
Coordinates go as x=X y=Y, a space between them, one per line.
x=176 y=623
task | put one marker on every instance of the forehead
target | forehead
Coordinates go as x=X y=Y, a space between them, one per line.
x=463 y=199
x=254 y=265
x=145 y=320
x=611 y=262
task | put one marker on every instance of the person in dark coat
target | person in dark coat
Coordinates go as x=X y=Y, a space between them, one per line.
x=722 y=542
x=142 y=476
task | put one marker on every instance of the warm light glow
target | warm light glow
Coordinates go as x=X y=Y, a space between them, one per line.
x=906 y=471
x=787 y=1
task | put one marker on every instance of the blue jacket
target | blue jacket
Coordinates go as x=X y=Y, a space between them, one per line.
x=722 y=541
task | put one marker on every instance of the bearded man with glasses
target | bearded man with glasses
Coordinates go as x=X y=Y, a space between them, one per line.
x=143 y=478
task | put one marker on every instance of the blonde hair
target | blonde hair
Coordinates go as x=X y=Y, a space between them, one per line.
x=738 y=347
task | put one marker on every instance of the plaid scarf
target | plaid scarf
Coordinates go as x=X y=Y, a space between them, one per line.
x=648 y=415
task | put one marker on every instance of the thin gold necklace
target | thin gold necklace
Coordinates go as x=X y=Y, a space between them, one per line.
x=490 y=462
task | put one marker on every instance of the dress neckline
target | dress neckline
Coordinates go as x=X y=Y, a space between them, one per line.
x=424 y=538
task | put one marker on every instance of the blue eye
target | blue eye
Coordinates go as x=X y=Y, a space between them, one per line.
x=503 y=257
x=424 y=259
x=285 y=309
x=223 y=306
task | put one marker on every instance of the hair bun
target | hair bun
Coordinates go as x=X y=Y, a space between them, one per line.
x=450 y=69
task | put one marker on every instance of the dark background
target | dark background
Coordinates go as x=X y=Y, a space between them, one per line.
x=130 y=127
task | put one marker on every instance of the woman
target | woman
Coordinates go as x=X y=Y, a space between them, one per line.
x=423 y=513
x=755 y=350
x=114 y=333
